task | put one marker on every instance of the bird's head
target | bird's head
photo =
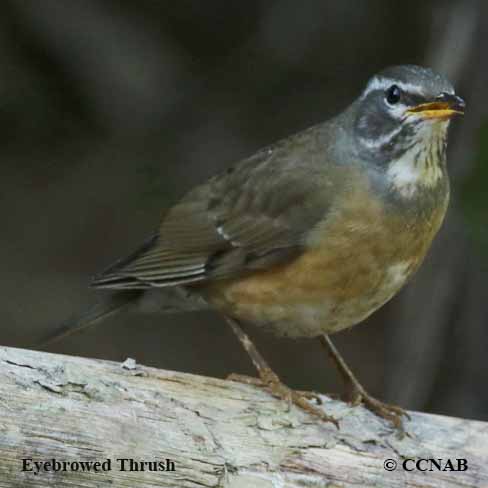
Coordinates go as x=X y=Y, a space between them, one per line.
x=401 y=120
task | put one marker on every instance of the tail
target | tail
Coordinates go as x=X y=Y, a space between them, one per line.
x=90 y=317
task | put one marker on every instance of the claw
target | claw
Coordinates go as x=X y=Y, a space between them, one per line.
x=273 y=384
x=311 y=395
x=392 y=413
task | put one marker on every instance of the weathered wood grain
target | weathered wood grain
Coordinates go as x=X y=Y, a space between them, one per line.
x=218 y=433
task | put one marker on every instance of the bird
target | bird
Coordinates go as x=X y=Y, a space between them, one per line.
x=310 y=235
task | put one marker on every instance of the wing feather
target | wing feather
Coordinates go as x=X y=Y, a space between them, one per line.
x=250 y=218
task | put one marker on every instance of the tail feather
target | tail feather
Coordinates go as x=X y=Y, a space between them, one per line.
x=90 y=317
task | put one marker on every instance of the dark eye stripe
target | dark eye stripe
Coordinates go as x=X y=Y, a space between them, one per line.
x=376 y=98
x=408 y=98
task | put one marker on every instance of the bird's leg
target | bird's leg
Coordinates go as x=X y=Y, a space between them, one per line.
x=357 y=394
x=269 y=379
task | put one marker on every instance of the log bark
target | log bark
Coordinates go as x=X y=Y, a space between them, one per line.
x=217 y=433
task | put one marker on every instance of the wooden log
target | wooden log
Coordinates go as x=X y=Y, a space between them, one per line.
x=182 y=430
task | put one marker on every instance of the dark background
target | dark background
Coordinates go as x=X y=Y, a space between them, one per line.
x=111 y=110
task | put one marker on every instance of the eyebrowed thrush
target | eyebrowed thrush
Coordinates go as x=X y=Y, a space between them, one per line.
x=311 y=235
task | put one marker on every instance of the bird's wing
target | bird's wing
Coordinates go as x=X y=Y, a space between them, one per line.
x=253 y=216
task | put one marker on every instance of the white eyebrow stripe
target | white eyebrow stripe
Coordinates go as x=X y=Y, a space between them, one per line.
x=382 y=83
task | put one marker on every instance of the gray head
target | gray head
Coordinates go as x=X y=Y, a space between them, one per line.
x=400 y=108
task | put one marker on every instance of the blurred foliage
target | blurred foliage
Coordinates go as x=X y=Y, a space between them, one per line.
x=474 y=194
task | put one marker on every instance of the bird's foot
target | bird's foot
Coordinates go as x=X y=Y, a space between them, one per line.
x=269 y=379
x=357 y=394
x=251 y=380
x=392 y=413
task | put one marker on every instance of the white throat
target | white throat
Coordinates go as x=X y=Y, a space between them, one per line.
x=423 y=164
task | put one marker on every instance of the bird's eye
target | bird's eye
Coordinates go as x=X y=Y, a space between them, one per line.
x=393 y=95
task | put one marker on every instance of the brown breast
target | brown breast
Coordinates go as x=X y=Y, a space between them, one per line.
x=355 y=260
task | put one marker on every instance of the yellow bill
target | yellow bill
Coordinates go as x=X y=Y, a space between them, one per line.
x=444 y=108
